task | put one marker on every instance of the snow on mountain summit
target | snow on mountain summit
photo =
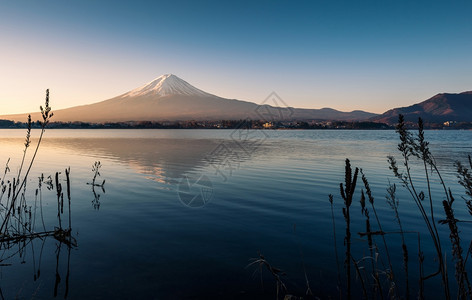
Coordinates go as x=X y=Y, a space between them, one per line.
x=165 y=85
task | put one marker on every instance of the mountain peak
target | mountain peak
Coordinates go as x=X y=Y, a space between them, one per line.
x=165 y=85
x=437 y=109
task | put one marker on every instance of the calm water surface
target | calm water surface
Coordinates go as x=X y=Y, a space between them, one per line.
x=184 y=211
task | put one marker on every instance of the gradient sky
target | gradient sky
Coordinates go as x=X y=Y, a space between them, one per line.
x=369 y=55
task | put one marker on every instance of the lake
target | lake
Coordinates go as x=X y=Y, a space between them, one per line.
x=183 y=212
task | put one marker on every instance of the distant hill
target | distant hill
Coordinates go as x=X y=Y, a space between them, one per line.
x=438 y=109
x=169 y=98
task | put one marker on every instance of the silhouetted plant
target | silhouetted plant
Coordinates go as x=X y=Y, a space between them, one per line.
x=389 y=272
x=393 y=201
x=465 y=179
x=20 y=182
x=347 y=193
x=281 y=288
x=461 y=273
x=18 y=219
x=331 y=197
x=96 y=172
x=418 y=147
x=410 y=146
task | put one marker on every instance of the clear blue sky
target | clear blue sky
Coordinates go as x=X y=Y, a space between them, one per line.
x=370 y=55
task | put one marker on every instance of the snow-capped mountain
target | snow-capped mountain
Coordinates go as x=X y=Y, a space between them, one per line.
x=169 y=98
x=166 y=85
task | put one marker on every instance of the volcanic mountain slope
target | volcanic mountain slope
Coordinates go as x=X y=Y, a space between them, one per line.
x=169 y=98
x=438 y=109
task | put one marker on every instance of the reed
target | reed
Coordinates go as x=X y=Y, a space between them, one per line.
x=347 y=193
x=96 y=173
x=372 y=247
x=389 y=272
x=20 y=181
x=464 y=288
x=393 y=202
x=18 y=219
x=331 y=199
x=465 y=180
x=96 y=195
x=276 y=273
x=411 y=146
